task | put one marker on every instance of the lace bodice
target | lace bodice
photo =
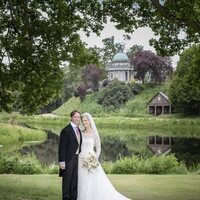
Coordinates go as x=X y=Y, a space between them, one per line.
x=90 y=144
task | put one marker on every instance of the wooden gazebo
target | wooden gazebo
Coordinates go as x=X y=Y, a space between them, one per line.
x=159 y=104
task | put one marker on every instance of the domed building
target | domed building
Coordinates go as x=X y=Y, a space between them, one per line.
x=120 y=68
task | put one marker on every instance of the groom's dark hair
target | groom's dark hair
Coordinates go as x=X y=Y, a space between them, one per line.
x=74 y=112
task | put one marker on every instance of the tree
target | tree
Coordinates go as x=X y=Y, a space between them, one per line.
x=82 y=58
x=184 y=91
x=81 y=91
x=110 y=48
x=35 y=37
x=168 y=20
x=157 y=67
x=134 y=49
x=91 y=75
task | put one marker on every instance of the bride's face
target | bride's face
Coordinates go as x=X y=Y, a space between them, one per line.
x=86 y=122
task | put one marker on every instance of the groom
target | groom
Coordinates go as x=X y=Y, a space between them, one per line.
x=69 y=148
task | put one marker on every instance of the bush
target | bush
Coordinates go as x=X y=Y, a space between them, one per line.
x=153 y=165
x=163 y=164
x=126 y=165
x=17 y=164
x=52 y=169
x=115 y=94
x=107 y=166
x=136 y=88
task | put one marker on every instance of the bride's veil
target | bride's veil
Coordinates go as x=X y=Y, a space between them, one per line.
x=97 y=138
x=91 y=120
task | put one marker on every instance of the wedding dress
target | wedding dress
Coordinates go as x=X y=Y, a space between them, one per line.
x=94 y=185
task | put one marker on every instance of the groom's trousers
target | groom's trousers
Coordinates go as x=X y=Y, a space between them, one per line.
x=70 y=180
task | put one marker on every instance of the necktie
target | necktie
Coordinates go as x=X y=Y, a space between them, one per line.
x=77 y=130
x=78 y=138
x=78 y=134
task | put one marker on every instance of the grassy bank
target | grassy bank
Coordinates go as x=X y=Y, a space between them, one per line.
x=136 y=106
x=14 y=137
x=14 y=133
x=136 y=187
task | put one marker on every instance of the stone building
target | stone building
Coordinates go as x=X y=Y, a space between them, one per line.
x=120 y=68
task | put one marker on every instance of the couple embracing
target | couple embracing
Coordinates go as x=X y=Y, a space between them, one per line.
x=83 y=178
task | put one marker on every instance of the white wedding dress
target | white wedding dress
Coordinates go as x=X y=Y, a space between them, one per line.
x=94 y=185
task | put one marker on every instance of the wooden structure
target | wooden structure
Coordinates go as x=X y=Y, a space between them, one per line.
x=159 y=104
x=159 y=145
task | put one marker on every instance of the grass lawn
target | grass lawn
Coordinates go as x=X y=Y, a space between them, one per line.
x=137 y=187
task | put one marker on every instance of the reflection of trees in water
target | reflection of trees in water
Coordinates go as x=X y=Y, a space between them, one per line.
x=46 y=152
x=113 y=149
x=187 y=150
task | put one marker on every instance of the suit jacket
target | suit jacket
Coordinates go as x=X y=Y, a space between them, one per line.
x=68 y=146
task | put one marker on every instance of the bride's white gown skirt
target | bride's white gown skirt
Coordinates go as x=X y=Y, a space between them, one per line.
x=95 y=185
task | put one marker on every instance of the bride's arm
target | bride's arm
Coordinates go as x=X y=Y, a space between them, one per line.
x=97 y=145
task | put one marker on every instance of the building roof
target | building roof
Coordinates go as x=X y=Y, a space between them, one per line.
x=162 y=94
x=120 y=57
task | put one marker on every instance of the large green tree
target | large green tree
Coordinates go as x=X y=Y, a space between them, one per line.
x=110 y=48
x=81 y=58
x=134 y=49
x=35 y=37
x=184 y=90
x=175 y=22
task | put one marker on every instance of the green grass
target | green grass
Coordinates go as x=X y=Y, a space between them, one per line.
x=88 y=105
x=14 y=133
x=162 y=124
x=136 y=187
x=137 y=106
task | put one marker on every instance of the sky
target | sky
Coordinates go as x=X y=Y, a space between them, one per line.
x=141 y=36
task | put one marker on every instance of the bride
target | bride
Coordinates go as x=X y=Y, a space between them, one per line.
x=94 y=184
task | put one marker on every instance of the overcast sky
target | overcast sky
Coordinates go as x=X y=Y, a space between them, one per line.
x=140 y=37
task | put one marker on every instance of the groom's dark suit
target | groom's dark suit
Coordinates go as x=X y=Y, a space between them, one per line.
x=68 y=153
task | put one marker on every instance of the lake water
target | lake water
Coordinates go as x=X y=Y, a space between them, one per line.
x=118 y=143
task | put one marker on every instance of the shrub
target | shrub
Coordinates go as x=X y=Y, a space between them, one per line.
x=165 y=164
x=128 y=165
x=136 y=88
x=18 y=164
x=52 y=169
x=115 y=94
x=107 y=166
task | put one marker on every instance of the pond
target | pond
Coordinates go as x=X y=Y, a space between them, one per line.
x=120 y=142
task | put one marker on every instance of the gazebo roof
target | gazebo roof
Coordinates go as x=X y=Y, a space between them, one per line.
x=120 y=57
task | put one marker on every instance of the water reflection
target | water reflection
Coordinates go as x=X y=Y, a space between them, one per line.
x=186 y=150
x=160 y=145
x=46 y=152
x=113 y=147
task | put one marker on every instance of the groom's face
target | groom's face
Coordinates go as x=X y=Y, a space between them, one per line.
x=76 y=118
